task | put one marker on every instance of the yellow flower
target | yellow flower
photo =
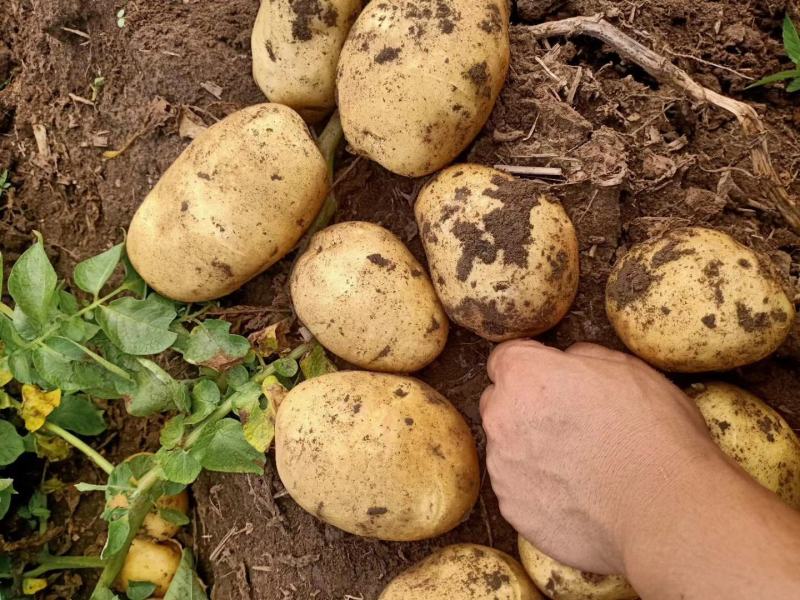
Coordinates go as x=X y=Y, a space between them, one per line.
x=37 y=404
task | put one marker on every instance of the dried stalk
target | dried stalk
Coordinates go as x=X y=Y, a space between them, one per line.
x=667 y=73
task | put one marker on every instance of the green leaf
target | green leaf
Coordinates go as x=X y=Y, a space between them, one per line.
x=205 y=398
x=9 y=335
x=223 y=447
x=316 y=363
x=186 y=585
x=32 y=283
x=93 y=273
x=138 y=327
x=22 y=367
x=246 y=396
x=174 y=516
x=791 y=40
x=156 y=392
x=133 y=281
x=56 y=369
x=178 y=465
x=67 y=302
x=119 y=482
x=11 y=444
x=79 y=415
x=89 y=487
x=5 y=559
x=118 y=531
x=774 y=78
x=172 y=432
x=794 y=85
x=212 y=345
x=237 y=377
x=104 y=594
x=36 y=510
x=6 y=491
x=25 y=326
x=286 y=367
x=140 y=590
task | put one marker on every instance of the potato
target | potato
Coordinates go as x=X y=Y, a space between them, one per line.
x=560 y=582
x=503 y=256
x=232 y=204
x=380 y=456
x=150 y=561
x=156 y=526
x=463 y=572
x=753 y=435
x=696 y=300
x=366 y=298
x=296 y=48
x=417 y=79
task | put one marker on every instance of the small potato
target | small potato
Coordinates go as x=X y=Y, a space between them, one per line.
x=463 y=572
x=503 y=256
x=753 y=435
x=560 y=582
x=381 y=456
x=296 y=48
x=366 y=298
x=232 y=204
x=417 y=79
x=150 y=561
x=695 y=300
x=156 y=526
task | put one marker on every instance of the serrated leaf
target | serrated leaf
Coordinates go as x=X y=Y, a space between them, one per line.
x=316 y=363
x=223 y=447
x=93 y=273
x=138 y=327
x=212 y=345
x=791 y=40
x=141 y=590
x=79 y=415
x=37 y=405
x=186 y=585
x=11 y=444
x=172 y=432
x=178 y=465
x=118 y=531
x=205 y=398
x=32 y=283
x=6 y=491
x=174 y=516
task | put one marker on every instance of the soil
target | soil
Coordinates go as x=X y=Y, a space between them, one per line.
x=637 y=158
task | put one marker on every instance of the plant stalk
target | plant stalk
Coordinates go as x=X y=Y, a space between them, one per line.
x=57 y=563
x=78 y=443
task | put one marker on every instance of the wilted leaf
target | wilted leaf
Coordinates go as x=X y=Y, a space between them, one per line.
x=32 y=585
x=212 y=345
x=274 y=391
x=5 y=372
x=316 y=363
x=37 y=404
x=51 y=447
x=258 y=426
x=272 y=339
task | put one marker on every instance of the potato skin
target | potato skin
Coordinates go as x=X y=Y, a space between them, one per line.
x=233 y=203
x=148 y=560
x=296 y=50
x=463 y=572
x=156 y=526
x=754 y=435
x=560 y=582
x=377 y=455
x=696 y=300
x=417 y=79
x=503 y=256
x=365 y=297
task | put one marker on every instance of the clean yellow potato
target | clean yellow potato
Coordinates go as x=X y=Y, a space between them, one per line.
x=695 y=300
x=417 y=79
x=377 y=455
x=503 y=255
x=150 y=561
x=463 y=572
x=232 y=204
x=753 y=435
x=296 y=48
x=365 y=297
x=156 y=526
x=560 y=582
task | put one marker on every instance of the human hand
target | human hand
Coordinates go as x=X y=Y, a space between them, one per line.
x=580 y=443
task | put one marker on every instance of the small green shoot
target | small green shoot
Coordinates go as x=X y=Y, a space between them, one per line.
x=97 y=86
x=121 y=18
x=4 y=182
x=791 y=42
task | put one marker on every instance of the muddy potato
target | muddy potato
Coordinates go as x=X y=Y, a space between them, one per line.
x=753 y=435
x=503 y=256
x=696 y=300
x=463 y=572
x=560 y=582
x=232 y=204
x=150 y=561
x=296 y=48
x=417 y=79
x=377 y=455
x=365 y=297
x=156 y=526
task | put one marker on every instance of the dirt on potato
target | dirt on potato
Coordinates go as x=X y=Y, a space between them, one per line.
x=79 y=77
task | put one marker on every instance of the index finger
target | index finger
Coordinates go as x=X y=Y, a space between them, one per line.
x=512 y=354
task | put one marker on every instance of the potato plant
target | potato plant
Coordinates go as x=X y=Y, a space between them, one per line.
x=61 y=351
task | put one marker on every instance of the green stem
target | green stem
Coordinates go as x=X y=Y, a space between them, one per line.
x=6 y=310
x=330 y=138
x=58 y=563
x=78 y=443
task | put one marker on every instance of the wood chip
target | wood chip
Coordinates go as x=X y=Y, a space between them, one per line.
x=213 y=89
x=40 y=134
x=531 y=171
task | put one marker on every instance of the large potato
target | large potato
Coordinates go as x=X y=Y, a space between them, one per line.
x=560 y=582
x=503 y=256
x=695 y=300
x=231 y=205
x=150 y=561
x=296 y=49
x=366 y=298
x=463 y=572
x=418 y=78
x=753 y=435
x=377 y=455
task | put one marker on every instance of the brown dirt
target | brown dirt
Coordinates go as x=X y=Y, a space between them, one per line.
x=638 y=159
